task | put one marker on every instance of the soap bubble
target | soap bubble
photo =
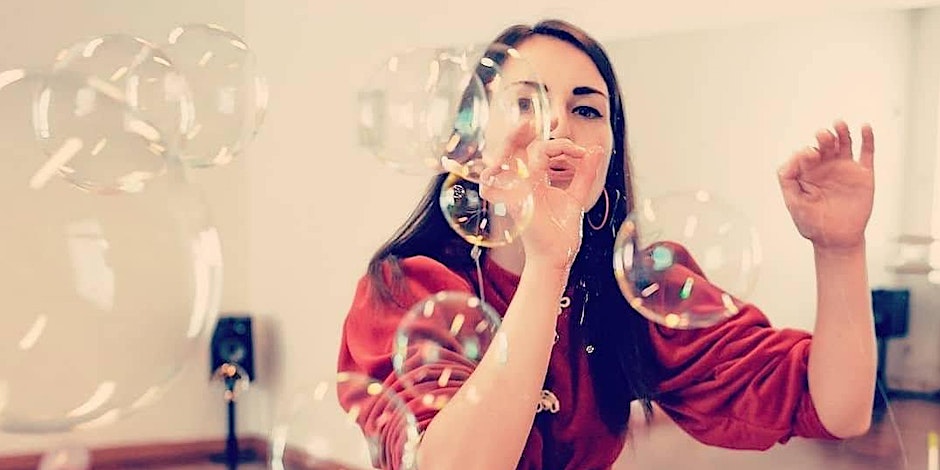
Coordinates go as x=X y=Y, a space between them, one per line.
x=108 y=298
x=441 y=340
x=518 y=113
x=349 y=422
x=686 y=260
x=140 y=72
x=431 y=110
x=87 y=132
x=229 y=93
x=419 y=104
x=491 y=217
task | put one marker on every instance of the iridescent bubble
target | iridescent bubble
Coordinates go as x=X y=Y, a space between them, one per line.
x=419 y=107
x=441 y=340
x=491 y=214
x=151 y=84
x=517 y=114
x=88 y=133
x=348 y=422
x=108 y=297
x=229 y=93
x=18 y=88
x=686 y=260
x=461 y=111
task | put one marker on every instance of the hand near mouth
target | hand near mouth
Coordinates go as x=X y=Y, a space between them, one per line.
x=560 y=177
x=568 y=172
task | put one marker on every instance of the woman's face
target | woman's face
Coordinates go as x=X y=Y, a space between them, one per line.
x=578 y=100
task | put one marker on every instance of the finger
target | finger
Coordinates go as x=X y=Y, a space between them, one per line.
x=498 y=186
x=827 y=144
x=514 y=144
x=522 y=135
x=867 y=154
x=788 y=171
x=538 y=163
x=845 y=139
x=452 y=166
x=787 y=178
x=807 y=159
x=801 y=162
x=488 y=187
x=588 y=172
x=487 y=175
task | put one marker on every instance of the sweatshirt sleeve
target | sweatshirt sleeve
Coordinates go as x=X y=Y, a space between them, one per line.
x=739 y=384
x=367 y=347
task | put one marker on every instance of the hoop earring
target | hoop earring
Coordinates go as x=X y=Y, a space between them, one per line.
x=606 y=213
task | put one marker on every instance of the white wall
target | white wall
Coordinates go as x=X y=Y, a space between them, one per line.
x=914 y=360
x=300 y=215
x=723 y=109
x=31 y=33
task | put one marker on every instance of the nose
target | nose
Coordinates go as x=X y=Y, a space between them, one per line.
x=558 y=127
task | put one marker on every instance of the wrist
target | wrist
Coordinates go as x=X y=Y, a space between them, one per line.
x=839 y=252
x=547 y=267
x=549 y=276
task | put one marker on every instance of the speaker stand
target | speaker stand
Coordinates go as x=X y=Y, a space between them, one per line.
x=232 y=455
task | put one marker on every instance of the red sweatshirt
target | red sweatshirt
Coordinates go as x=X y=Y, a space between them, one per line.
x=740 y=384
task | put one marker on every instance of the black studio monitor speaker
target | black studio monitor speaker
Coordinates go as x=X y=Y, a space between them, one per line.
x=232 y=344
x=891 y=309
x=892 y=312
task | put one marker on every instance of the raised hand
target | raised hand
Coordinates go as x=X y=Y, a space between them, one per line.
x=828 y=192
x=553 y=235
x=555 y=232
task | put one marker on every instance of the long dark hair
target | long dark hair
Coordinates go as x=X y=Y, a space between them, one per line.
x=623 y=363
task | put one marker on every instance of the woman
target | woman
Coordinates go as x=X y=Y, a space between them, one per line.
x=741 y=384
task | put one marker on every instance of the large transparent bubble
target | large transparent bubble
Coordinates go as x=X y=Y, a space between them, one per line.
x=686 y=260
x=491 y=214
x=517 y=114
x=457 y=110
x=350 y=422
x=441 y=340
x=419 y=104
x=107 y=296
x=87 y=132
x=230 y=94
x=144 y=74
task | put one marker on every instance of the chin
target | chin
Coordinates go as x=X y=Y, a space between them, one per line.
x=560 y=184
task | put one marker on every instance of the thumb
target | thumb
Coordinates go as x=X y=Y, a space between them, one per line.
x=505 y=153
x=514 y=144
x=787 y=176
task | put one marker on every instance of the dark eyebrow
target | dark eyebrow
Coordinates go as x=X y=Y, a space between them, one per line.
x=578 y=91
x=532 y=84
x=586 y=90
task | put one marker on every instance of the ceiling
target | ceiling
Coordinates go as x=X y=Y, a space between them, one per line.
x=429 y=21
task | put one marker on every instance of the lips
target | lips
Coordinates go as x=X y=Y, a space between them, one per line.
x=560 y=172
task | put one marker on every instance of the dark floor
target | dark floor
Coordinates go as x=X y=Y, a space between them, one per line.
x=896 y=442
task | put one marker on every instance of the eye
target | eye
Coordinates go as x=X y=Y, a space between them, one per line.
x=525 y=104
x=587 y=112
